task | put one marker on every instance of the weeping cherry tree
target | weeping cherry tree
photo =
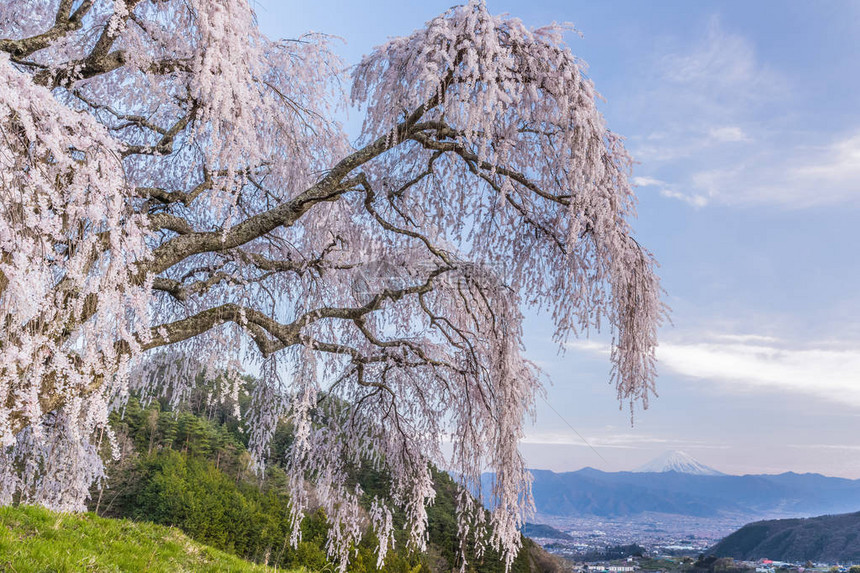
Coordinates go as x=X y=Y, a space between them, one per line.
x=176 y=194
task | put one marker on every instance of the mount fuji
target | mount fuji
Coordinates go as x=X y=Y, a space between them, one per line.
x=678 y=461
x=677 y=484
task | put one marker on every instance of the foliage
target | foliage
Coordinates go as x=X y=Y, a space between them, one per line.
x=663 y=564
x=714 y=564
x=187 y=474
x=173 y=187
x=545 y=531
x=240 y=518
x=191 y=472
x=34 y=539
x=827 y=538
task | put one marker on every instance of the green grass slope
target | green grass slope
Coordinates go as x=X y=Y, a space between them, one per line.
x=34 y=540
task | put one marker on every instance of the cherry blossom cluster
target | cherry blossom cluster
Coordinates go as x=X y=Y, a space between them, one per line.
x=177 y=203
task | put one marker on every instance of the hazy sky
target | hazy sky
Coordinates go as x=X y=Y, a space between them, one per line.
x=744 y=119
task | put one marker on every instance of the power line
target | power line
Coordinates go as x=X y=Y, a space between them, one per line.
x=581 y=437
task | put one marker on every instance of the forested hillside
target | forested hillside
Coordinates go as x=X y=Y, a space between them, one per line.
x=828 y=539
x=187 y=466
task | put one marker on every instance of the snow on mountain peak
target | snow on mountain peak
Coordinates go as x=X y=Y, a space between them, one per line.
x=678 y=461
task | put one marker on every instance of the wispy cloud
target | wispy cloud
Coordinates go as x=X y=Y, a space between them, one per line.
x=720 y=74
x=829 y=374
x=703 y=95
x=837 y=163
x=698 y=106
x=848 y=447
x=746 y=338
x=796 y=178
x=728 y=134
x=753 y=362
x=719 y=136
x=647 y=182
x=666 y=190
x=608 y=438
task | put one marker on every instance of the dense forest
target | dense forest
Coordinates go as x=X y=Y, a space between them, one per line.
x=188 y=466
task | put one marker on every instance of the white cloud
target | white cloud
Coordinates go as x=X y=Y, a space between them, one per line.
x=849 y=447
x=589 y=346
x=831 y=174
x=718 y=117
x=665 y=190
x=708 y=92
x=745 y=338
x=839 y=162
x=722 y=72
x=715 y=131
x=728 y=134
x=829 y=374
x=694 y=200
x=699 y=111
x=646 y=182
x=753 y=362
x=608 y=439
x=795 y=178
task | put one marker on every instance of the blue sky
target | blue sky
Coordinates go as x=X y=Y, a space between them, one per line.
x=744 y=120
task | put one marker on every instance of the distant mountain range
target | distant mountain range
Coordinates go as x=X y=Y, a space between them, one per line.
x=828 y=539
x=685 y=487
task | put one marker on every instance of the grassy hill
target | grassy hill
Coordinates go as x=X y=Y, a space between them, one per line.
x=181 y=498
x=33 y=539
x=829 y=539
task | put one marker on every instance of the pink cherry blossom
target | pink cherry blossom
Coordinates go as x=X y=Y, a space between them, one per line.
x=175 y=199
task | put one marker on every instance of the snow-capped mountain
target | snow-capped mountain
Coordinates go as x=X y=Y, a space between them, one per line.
x=591 y=492
x=678 y=461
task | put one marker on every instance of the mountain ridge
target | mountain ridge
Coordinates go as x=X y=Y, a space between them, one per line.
x=591 y=492
x=826 y=538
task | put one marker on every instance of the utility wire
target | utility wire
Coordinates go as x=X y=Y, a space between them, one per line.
x=581 y=437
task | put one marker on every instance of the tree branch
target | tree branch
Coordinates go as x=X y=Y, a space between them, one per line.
x=64 y=23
